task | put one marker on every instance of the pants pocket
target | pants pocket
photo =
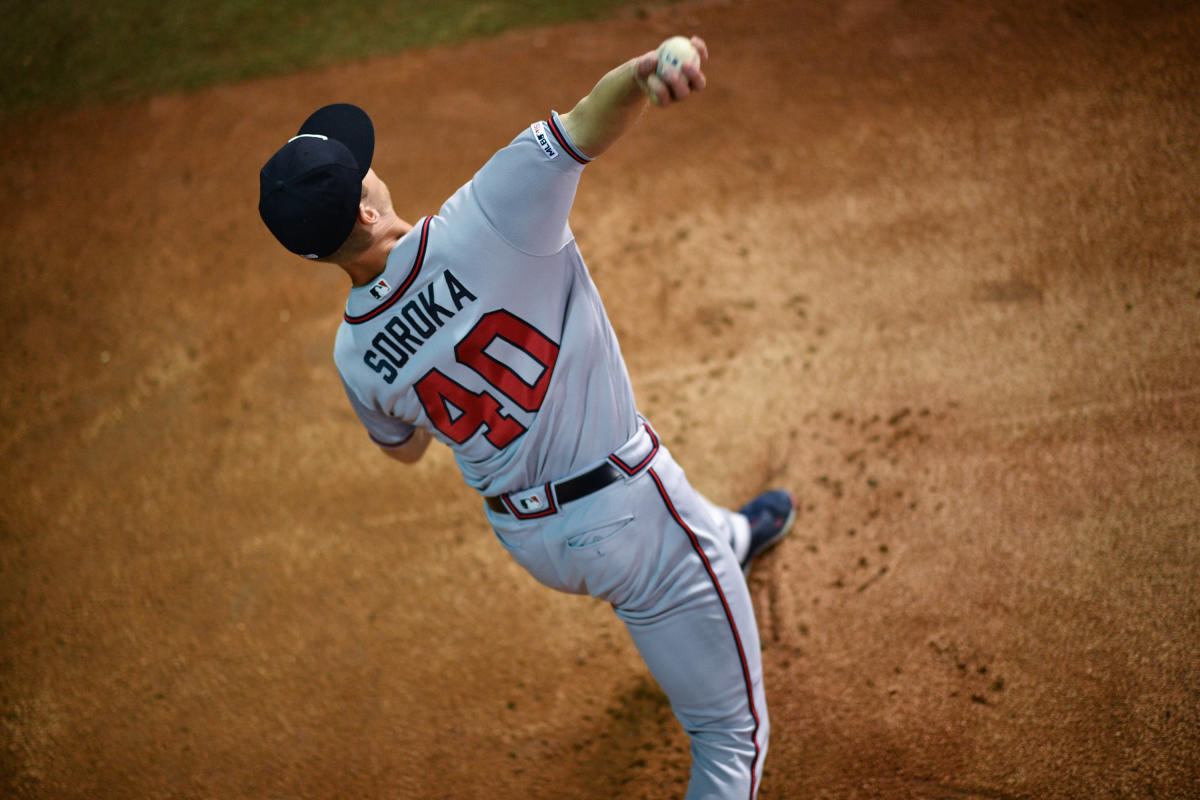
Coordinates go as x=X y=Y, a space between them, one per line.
x=598 y=535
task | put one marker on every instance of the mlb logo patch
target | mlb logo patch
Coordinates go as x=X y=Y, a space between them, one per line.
x=380 y=289
x=543 y=139
x=533 y=502
x=530 y=503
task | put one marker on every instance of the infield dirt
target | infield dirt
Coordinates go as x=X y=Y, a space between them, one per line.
x=933 y=265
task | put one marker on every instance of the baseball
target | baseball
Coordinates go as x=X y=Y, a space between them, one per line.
x=675 y=53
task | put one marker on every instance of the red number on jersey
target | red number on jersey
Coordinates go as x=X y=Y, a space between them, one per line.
x=518 y=333
x=458 y=412
x=439 y=395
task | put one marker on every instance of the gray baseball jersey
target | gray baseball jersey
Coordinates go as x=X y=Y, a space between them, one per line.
x=485 y=329
x=484 y=317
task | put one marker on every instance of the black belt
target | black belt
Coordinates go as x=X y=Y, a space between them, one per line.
x=572 y=489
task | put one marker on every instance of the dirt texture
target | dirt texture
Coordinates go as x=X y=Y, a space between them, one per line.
x=934 y=265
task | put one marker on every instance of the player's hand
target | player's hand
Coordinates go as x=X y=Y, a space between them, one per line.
x=672 y=85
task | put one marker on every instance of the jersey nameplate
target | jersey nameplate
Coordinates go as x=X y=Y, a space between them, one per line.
x=543 y=139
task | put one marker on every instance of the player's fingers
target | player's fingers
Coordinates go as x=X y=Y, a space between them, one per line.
x=658 y=91
x=676 y=82
x=646 y=64
x=695 y=77
x=701 y=48
x=646 y=74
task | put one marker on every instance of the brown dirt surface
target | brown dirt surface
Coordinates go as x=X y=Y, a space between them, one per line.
x=935 y=265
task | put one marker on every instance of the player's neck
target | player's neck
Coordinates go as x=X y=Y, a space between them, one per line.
x=371 y=264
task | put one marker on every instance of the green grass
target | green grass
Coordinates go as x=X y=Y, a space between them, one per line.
x=67 y=53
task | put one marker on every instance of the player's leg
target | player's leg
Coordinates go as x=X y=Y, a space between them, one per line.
x=660 y=553
x=694 y=625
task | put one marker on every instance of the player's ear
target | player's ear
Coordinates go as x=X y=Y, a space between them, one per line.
x=367 y=214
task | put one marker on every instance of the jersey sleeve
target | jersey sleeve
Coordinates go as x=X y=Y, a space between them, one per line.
x=526 y=190
x=384 y=429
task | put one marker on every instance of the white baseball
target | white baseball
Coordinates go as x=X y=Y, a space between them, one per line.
x=675 y=53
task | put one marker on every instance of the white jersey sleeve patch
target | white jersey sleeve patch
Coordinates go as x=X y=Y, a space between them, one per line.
x=543 y=139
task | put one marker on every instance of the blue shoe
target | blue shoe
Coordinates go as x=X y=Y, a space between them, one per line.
x=771 y=515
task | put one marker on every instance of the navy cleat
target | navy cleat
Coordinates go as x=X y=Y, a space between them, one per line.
x=771 y=515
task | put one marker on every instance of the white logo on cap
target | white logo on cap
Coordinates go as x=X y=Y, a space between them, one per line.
x=308 y=136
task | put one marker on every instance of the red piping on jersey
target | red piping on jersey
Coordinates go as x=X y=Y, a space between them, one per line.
x=634 y=470
x=403 y=287
x=737 y=638
x=562 y=140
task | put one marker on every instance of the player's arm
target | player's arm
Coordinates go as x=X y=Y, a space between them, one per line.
x=400 y=440
x=410 y=451
x=619 y=98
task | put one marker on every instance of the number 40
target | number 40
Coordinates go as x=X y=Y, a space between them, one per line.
x=458 y=412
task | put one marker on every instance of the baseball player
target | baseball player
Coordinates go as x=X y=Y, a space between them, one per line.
x=479 y=326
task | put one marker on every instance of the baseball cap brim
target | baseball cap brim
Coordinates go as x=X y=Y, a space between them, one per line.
x=349 y=125
x=309 y=191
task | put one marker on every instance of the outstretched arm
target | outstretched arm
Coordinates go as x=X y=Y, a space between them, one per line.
x=619 y=98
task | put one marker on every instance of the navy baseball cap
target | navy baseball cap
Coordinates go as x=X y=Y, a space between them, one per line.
x=309 y=191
